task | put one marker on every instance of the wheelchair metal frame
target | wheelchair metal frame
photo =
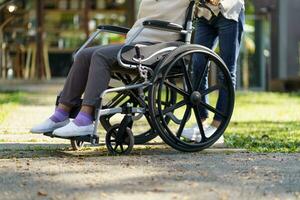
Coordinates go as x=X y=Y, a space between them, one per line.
x=99 y=112
x=122 y=131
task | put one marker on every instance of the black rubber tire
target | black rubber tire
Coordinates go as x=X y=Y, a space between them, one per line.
x=163 y=130
x=128 y=140
x=141 y=138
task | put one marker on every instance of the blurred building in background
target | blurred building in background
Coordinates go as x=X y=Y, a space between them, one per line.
x=270 y=58
x=37 y=38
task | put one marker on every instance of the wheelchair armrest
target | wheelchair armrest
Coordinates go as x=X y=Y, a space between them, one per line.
x=113 y=29
x=163 y=25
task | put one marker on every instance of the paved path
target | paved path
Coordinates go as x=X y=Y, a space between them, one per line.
x=15 y=128
x=156 y=173
x=24 y=117
x=36 y=107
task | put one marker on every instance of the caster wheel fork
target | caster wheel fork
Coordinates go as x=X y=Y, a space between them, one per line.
x=77 y=145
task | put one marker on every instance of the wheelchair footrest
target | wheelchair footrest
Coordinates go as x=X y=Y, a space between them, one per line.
x=93 y=139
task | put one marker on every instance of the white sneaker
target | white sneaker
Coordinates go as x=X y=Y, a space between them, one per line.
x=72 y=130
x=48 y=126
x=209 y=131
x=193 y=134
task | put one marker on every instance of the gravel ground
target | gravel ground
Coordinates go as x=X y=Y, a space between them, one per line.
x=156 y=173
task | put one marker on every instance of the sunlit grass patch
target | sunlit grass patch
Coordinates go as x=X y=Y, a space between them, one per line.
x=262 y=122
x=265 y=136
x=265 y=122
x=8 y=102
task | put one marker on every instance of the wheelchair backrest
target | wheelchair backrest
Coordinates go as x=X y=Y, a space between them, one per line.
x=185 y=39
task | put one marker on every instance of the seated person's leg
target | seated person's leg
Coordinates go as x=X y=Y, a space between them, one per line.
x=71 y=94
x=102 y=61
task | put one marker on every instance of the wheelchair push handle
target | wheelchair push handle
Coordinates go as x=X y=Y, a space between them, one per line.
x=203 y=1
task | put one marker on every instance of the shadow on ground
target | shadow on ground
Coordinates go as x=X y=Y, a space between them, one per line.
x=34 y=150
x=150 y=174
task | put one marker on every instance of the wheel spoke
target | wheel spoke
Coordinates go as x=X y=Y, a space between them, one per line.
x=175 y=88
x=210 y=90
x=121 y=95
x=174 y=107
x=164 y=103
x=116 y=147
x=199 y=122
x=183 y=121
x=117 y=99
x=202 y=77
x=187 y=76
x=212 y=109
x=178 y=75
x=122 y=148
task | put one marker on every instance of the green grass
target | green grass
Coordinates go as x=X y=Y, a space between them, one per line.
x=8 y=102
x=265 y=122
x=262 y=122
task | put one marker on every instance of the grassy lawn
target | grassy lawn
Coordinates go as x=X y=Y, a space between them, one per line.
x=262 y=122
x=266 y=122
x=8 y=101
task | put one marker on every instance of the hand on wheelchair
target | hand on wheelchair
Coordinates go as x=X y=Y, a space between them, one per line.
x=214 y=2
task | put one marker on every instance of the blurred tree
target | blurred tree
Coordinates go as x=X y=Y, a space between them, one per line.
x=249 y=7
x=248 y=45
x=250 y=11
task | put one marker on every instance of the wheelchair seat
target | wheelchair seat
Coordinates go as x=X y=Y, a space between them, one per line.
x=151 y=54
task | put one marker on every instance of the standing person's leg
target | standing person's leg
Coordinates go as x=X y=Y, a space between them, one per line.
x=205 y=35
x=102 y=61
x=73 y=89
x=230 y=34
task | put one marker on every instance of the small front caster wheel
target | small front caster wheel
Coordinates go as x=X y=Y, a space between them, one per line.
x=76 y=144
x=119 y=144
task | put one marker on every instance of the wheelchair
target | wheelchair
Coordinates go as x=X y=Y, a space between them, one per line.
x=163 y=91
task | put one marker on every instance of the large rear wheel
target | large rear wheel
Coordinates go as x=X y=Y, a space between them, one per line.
x=204 y=92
